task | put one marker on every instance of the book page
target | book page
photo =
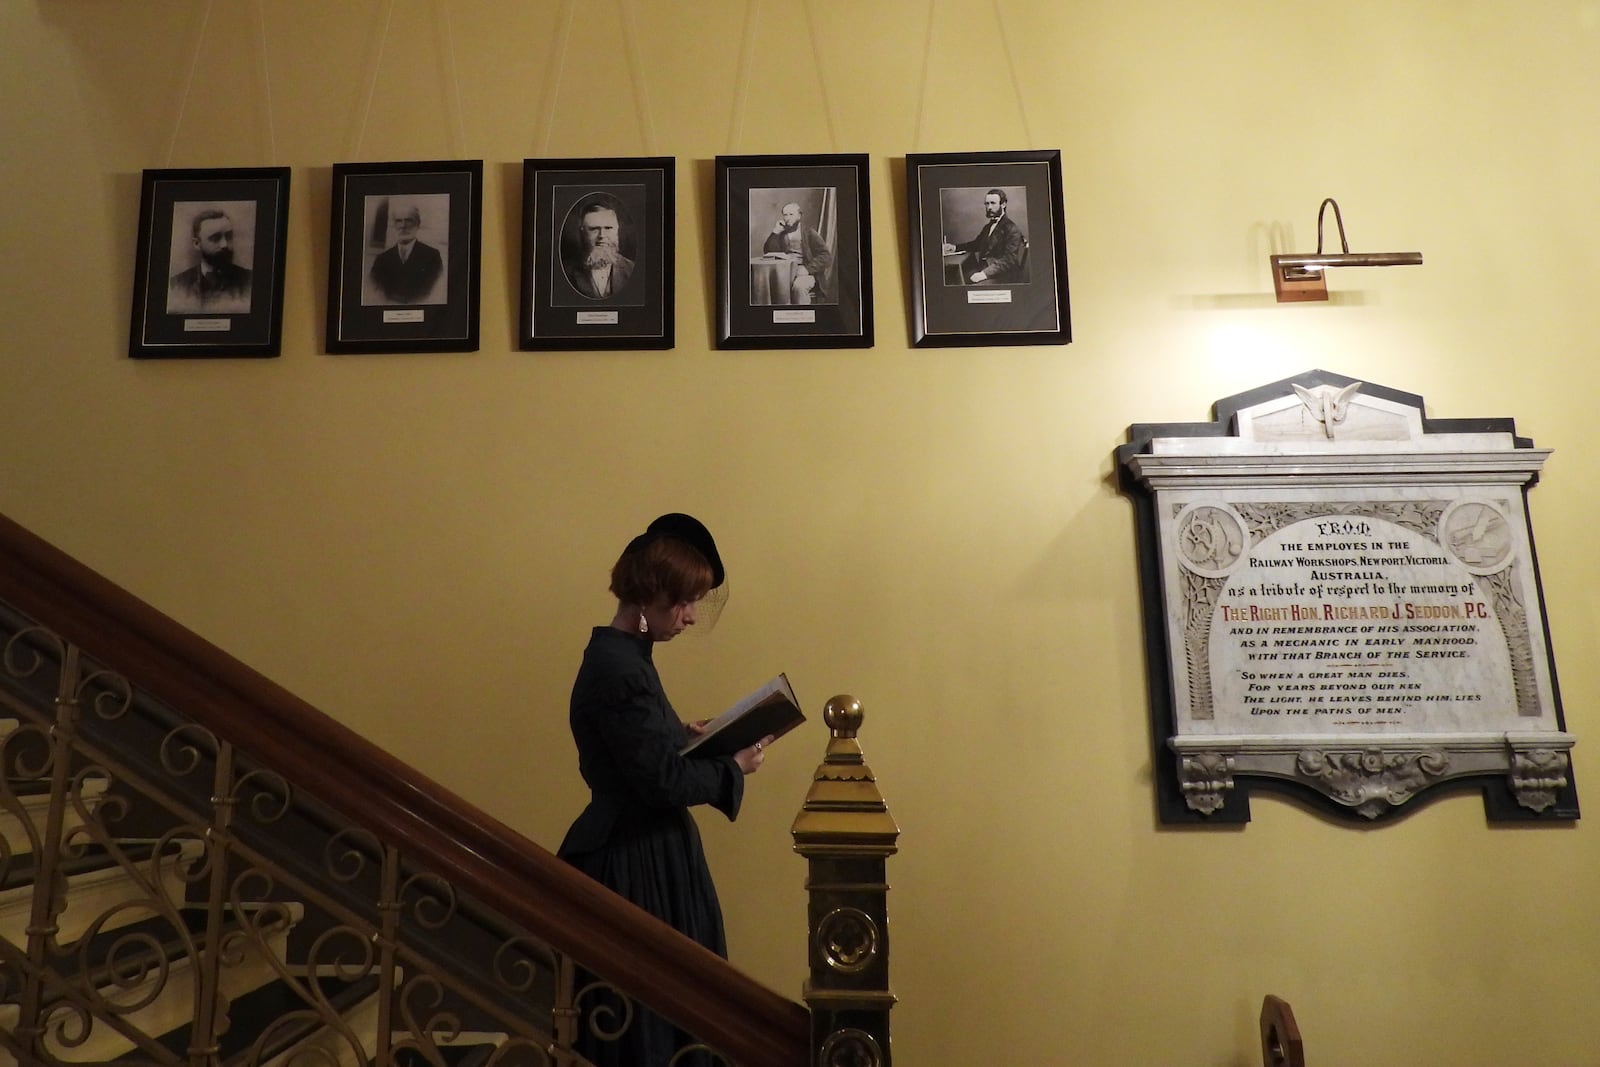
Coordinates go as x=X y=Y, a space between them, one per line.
x=772 y=709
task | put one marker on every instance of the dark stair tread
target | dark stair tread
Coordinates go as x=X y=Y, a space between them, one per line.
x=454 y=1055
x=20 y=871
x=159 y=928
x=252 y=1013
x=96 y=956
x=38 y=787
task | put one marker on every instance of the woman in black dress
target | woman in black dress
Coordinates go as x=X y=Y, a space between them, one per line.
x=637 y=836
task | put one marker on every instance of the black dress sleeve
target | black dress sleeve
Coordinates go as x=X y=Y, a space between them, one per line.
x=639 y=732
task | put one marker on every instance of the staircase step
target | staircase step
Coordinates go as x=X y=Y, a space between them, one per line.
x=312 y=1042
x=468 y=1050
x=172 y=994
x=250 y=1013
x=34 y=797
x=96 y=884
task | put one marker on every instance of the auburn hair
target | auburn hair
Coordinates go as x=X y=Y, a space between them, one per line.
x=664 y=570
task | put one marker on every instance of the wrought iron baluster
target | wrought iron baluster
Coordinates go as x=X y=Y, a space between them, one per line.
x=49 y=898
x=386 y=935
x=564 y=1013
x=203 y=1044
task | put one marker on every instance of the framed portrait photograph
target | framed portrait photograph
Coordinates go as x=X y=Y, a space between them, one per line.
x=794 y=257
x=403 y=257
x=597 y=253
x=988 y=249
x=208 y=279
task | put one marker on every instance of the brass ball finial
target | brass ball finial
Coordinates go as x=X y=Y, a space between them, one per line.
x=843 y=715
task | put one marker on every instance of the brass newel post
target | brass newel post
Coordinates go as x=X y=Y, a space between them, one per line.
x=846 y=834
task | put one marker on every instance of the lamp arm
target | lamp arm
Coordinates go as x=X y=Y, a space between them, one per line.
x=1338 y=221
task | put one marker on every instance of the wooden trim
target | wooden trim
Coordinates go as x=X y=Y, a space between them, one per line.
x=481 y=856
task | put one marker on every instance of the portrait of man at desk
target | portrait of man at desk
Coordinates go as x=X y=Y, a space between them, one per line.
x=998 y=253
x=793 y=236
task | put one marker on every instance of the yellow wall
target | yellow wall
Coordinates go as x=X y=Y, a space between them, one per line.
x=418 y=543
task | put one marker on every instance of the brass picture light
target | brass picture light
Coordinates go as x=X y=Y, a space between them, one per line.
x=1301 y=277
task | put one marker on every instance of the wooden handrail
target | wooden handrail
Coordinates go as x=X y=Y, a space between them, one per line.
x=481 y=856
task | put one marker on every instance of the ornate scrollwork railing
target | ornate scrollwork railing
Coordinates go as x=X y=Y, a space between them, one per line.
x=186 y=906
x=198 y=868
x=238 y=920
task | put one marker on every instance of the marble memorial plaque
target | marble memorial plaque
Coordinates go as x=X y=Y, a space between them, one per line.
x=1342 y=602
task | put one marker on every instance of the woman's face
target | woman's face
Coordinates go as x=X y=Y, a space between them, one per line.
x=667 y=621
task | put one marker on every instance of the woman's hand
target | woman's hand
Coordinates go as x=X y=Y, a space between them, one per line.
x=697 y=727
x=750 y=759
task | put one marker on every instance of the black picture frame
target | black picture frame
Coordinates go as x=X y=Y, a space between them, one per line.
x=426 y=301
x=629 y=305
x=947 y=199
x=767 y=295
x=225 y=299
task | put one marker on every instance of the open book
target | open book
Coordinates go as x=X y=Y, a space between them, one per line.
x=772 y=709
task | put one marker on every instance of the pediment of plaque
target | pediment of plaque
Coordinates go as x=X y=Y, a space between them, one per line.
x=1324 y=414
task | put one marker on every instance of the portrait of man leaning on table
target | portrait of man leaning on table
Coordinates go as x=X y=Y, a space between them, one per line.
x=793 y=236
